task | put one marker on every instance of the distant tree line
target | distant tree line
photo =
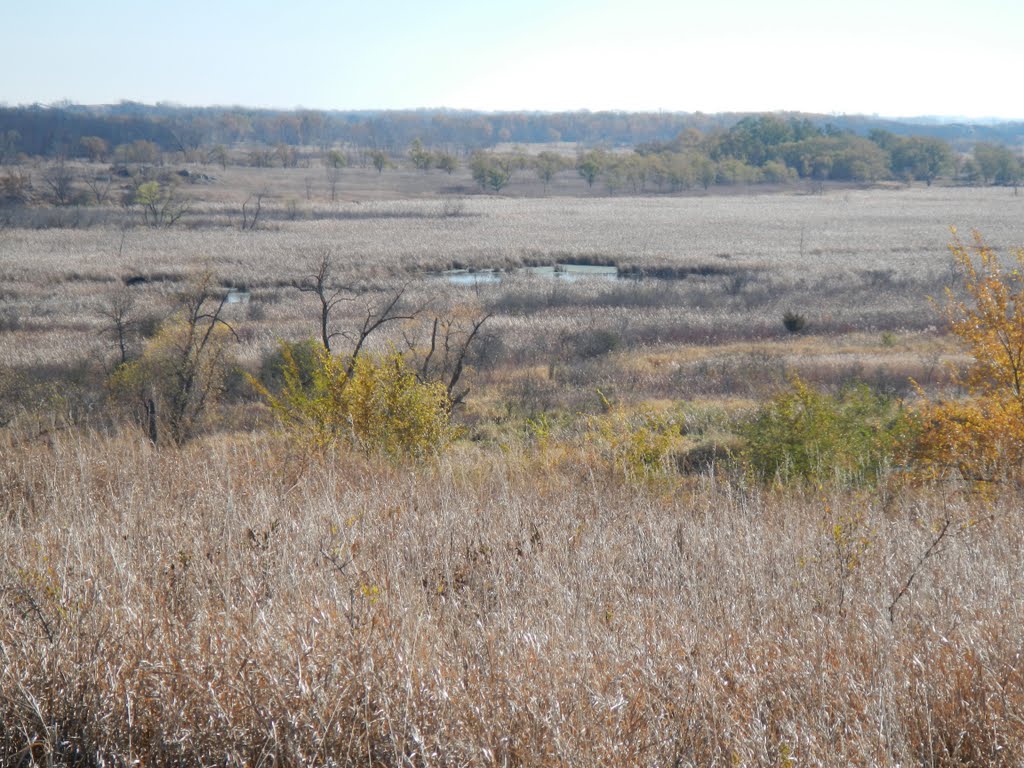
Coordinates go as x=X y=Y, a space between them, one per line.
x=758 y=149
x=764 y=148
x=58 y=130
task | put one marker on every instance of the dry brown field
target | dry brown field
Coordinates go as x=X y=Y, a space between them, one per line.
x=518 y=600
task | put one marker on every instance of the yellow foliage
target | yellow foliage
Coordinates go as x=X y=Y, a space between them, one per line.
x=377 y=404
x=638 y=443
x=982 y=437
x=182 y=370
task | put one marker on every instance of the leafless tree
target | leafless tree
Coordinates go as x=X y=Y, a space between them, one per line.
x=118 y=310
x=251 y=216
x=99 y=185
x=328 y=292
x=60 y=181
x=376 y=313
x=194 y=358
x=15 y=188
x=451 y=339
x=162 y=205
x=333 y=177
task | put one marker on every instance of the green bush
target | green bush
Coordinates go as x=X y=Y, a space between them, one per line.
x=305 y=355
x=804 y=435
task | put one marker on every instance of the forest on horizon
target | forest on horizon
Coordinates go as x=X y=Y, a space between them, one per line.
x=53 y=130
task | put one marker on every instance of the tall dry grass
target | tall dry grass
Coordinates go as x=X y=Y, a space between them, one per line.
x=233 y=603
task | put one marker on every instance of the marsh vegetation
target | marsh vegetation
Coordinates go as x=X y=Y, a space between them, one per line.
x=510 y=519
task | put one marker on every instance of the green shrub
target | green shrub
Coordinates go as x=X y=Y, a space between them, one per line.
x=304 y=354
x=807 y=435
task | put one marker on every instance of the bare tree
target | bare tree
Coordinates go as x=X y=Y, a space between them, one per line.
x=118 y=310
x=251 y=217
x=95 y=147
x=100 y=185
x=190 y=358
x=328 y=292
x=60 y=181
x=376 y=314
x=451 y=339
x=161 y=204
x=333 y=177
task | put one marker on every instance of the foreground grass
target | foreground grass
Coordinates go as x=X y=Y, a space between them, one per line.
x=232 y=603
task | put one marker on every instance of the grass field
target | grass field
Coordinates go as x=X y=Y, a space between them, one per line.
x=519 y=599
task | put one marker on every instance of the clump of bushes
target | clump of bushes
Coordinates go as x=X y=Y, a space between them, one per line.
x=805 y=435
x=637 y=443
x=376 y=404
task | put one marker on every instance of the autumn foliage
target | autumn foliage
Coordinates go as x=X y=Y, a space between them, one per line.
x=377 y=404
x=981 y=438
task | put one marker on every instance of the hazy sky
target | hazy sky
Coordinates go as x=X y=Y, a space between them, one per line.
x=891 y=57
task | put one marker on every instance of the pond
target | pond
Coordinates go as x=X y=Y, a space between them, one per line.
x=569 y=272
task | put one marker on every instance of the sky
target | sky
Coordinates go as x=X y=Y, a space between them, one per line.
x=895 y=58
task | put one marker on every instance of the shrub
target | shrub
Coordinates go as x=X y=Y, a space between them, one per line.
x=304 y=354
x=981 y=438
x=794 y=322
x=181 y=374
x=376 y=404
x=638 y=443
x=183 y=367
x=806 y=435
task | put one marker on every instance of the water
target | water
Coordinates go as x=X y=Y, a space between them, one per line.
x=569 y=272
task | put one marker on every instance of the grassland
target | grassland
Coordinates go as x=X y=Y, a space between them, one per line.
x=519 y=600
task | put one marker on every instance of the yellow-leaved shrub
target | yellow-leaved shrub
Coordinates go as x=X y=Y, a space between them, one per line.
x=377 y=404
x=981 y=438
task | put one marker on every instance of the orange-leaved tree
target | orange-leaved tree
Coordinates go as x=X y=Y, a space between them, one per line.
x=981 y=437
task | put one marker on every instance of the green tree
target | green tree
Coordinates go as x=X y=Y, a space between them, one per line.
x=422 y=159
x=336 y=159
x=923 y=158
x=704 y=169
x=997 y=164
x=590 y=164
x=492 y=172
x=380 y=160
x=547 y=165
x=446 y=161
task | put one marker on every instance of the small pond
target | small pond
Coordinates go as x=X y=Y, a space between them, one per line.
x=570 y=272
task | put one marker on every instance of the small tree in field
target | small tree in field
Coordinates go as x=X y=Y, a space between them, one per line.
x=982 y=437
x=181 y=372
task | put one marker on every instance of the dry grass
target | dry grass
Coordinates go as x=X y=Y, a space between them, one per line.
x=227 y=604
x=517 y=602
x=853 y=261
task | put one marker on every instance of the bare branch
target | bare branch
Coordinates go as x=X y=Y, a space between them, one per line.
x=319 y=283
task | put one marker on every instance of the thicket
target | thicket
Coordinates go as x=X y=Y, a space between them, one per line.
x=377 y=404
x=804 y=434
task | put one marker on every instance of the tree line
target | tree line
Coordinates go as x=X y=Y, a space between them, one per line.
x=757 y=149
x=58 y=130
